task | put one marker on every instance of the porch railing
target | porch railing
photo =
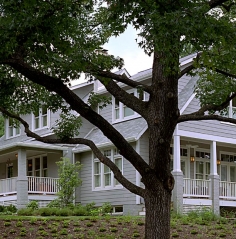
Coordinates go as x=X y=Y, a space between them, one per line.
x=196 y=188
x=8 y=186
x=43 y=185
x=227 y=190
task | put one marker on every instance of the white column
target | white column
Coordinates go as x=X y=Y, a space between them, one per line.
x=22 y=180
x=176 y=159
x=215 y=180
x=177 y=194
x=213 y=159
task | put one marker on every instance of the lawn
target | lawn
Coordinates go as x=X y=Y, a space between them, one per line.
x=194 y=225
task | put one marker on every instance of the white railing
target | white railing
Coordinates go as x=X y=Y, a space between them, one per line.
x=43 y=185
x=196 y=188
x=8 y=186
x=228 y=190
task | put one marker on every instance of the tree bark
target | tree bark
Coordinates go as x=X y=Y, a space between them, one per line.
x=157 y=224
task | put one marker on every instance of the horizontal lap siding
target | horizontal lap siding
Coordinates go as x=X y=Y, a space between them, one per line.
x=211 y=127
x=114 y=196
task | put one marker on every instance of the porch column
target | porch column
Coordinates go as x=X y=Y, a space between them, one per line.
x=214 y=180
x=177 y=195
x=22 y=181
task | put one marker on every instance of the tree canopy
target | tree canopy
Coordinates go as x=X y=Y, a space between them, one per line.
x=47 y=44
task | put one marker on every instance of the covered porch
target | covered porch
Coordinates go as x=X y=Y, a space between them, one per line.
x=205 y=172
x=28 y=171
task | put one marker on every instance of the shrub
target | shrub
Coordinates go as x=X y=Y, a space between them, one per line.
x=25 y=212
x=34 y=205
x=64 y=212
x=54 y=203
x=106 y=208
x=80 y=211
x=46 y=211
x=11 y=208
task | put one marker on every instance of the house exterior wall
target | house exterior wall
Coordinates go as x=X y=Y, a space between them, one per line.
x=52 y=167
x=215 y=128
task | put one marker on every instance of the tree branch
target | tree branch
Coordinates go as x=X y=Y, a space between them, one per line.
x=56 y=85
x=216 y=3
x=225 y=73
x=191 y=117
x=131 y=101
x=117 y=173
x=125 y=80
x=186 y=70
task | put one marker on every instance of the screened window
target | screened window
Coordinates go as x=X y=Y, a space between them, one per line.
x=40 y=118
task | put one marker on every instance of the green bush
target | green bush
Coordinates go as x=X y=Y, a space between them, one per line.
x=80 y=211
x=25 y=212
x=106 y=208
x=11 y=208
x=64 y=212
x=46 y=211
x=34 y=205
x=54 y=203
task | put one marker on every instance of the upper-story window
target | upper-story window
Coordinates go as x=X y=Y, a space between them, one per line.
x=121 y=111
x=12 y=130
x=103 y=177
x=41 y=118
x=232 y=108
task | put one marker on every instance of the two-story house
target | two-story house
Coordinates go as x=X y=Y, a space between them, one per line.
x=203 y=155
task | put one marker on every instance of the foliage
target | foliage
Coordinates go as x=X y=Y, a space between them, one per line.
x=1 y=125
x=34 y=205
x=68 y=181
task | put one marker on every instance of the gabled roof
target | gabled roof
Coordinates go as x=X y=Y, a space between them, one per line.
x=132 y=130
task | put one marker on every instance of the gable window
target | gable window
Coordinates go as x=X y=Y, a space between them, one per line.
x=103 y=177
x=12 y=130
x=41 y=118
x=121 y=111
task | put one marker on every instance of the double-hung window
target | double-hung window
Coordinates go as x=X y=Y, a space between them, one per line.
x=37 y=166
x=12 y=129
x=41 y=118
x=103 y=177
x=121 y=111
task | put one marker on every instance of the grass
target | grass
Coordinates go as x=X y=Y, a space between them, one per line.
x=194 y=225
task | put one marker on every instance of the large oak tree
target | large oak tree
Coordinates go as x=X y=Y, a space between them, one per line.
x=46 y=44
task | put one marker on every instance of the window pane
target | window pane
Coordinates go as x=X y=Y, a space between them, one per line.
x=37 y=163
x=45 y=162
x=17 y=130
x=30 y=166
x=37 y=173
x=36 y=123
x=97 y=180
x=234 y=102
x=44 y=110
x=199 y=167
x=223 y=175
x=128 y=111
x=232 y=174
x=107 y=153
x=10 y=131
x=183 y=167
x=107 y=179
x=106 y=169
x=118 y=163
x=117 y=113
x=44 y=120
x=97 y=169
x=45 y=173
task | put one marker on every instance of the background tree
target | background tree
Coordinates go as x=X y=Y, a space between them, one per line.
x=46 y=44
x=1 y=125
x=68 y=181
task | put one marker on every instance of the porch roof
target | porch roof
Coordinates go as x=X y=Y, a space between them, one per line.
x=32 y=145
x=131 y=130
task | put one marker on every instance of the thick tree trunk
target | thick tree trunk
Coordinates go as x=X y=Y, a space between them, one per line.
x=157 y=224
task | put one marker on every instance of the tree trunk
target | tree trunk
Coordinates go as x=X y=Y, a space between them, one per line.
x=157 y=225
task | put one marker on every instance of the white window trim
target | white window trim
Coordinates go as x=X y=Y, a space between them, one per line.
x=40 y=120
x=14 y=130
x=121 y=108
x=33 y=164
x=204 y=160
x=103 y=187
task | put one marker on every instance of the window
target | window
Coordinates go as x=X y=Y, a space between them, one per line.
x=103 y=177
x=12 y=130
x=202 y=164
x=40 y=118
x=37 y=166
x=232 y=108
x=121 y=111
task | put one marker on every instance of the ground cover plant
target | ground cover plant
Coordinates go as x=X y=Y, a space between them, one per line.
x=194 y=225
x=97 y=224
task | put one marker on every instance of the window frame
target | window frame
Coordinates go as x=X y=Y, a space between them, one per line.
x=121 y=107
x=41 y=169
x=14 y=130
x=40 y=118
x=113 y=184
